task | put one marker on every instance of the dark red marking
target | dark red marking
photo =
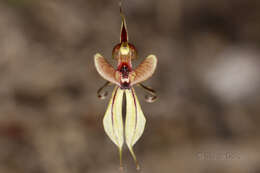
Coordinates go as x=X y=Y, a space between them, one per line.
x=135 y=108
x=124 y=69
x=125 y=85
x=123 y=33
x=131 y=46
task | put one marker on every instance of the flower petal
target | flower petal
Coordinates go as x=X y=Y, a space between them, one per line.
x=105 y=69
x=135 y=121
x=145 y=70
x=112 y=121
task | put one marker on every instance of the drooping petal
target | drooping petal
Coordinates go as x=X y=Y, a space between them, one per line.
x=105 y=69
x=112 y=121
x=145 y=70
x=135 y=121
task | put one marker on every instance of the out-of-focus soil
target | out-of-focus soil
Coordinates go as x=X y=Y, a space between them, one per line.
x=205 y=120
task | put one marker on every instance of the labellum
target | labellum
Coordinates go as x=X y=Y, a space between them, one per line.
x=125 y=77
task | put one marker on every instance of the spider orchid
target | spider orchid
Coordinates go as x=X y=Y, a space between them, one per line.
x=125 y=77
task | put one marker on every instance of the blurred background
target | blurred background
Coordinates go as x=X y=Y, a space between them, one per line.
x=205 y=120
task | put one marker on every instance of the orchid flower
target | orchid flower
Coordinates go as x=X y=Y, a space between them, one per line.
x=125 y=77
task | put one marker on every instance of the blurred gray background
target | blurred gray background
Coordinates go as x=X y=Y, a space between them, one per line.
x=205 y=120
